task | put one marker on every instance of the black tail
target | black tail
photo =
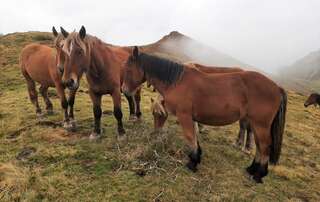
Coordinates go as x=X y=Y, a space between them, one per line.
x=277 y=129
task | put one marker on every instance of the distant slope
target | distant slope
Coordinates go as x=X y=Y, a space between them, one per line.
x=11 y=44
x=182 y=48
x=307 y=68
x=303 y=75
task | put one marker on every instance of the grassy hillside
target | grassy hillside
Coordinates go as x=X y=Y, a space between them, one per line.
x=40 y=161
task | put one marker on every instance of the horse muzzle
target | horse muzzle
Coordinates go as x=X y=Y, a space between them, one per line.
x=306 y=104
x=71 y=84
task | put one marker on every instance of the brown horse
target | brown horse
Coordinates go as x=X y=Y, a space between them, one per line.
x=313 y=99
x=103 y=65
x=215 y=99
x=42 y=64
x=244 y=139
x=160 y=115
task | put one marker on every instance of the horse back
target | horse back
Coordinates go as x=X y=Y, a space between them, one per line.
x=38 y=62
x=215 y=69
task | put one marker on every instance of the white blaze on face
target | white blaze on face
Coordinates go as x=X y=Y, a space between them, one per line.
x=65 y=48
x=71 y=47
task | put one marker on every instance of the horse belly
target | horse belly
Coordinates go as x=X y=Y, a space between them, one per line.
x=43 y=77
x=217 y=116
x=38 y=70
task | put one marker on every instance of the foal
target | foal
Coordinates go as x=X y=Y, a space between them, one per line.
x=40 y=63
x=215 y=99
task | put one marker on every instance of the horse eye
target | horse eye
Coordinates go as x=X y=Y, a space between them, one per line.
x=79 y=52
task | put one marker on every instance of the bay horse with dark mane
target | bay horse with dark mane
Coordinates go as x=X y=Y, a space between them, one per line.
x=103 y=66
x=313 y=99
x=221 y=99
x=160 y=114
x=44 y=65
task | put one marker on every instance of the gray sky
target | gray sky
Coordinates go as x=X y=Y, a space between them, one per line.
x=264 y=33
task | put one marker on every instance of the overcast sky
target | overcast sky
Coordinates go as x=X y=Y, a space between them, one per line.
x=263 y=33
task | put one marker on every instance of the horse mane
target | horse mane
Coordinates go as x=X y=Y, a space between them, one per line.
x=57 y=40
x=85 y=44
x=165 y=70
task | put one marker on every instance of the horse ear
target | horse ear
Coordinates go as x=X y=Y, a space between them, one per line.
x=64 y=32
x=82 y=32
x=54 y=31
x=135 y=52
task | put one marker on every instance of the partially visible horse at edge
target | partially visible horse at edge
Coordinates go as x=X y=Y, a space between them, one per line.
x=216 y=100
x=44 y=65
x=313 y=99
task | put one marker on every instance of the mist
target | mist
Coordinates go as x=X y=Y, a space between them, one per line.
x=264 y=34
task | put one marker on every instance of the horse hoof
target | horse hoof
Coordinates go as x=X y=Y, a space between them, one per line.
x=192 y=166
x=133 y=117
x=121 y=131
x=68 y=126
x=246 y=151
x=250 y=170
x=121 y=138
x=50 y=112
x=94 y=136
x=257 y=179
x=73 y=125
x=39 y=115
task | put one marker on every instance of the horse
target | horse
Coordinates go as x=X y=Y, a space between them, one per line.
x=103 y=66
x=313 y=99
x=215 y=99
x=245 y=136
x=160 y=115
x=44 y=65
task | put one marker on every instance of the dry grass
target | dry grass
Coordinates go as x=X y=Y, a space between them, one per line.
x=42 y=162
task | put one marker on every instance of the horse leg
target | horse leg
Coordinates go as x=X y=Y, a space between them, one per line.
x=241 y=134
x=131 y=107
x=116 y=98
x=72 y=96
x=263 y=138
x=97 y=112
x=44 y=92
x=189 y=133
x=33 y=95
x=137 y=100
x=250 y=138
x=64 y=105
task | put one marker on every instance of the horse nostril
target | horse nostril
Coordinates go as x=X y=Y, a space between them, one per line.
x=60 y=69
x=69 y=83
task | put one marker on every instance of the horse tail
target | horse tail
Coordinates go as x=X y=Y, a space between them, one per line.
x=277 y=129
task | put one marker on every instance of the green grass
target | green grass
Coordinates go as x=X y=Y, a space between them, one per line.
x=40 y=162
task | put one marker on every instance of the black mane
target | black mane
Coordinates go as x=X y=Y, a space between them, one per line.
x=165 y=70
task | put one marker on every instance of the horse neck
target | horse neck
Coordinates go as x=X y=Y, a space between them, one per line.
x=158 y=85
x=101 y=57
